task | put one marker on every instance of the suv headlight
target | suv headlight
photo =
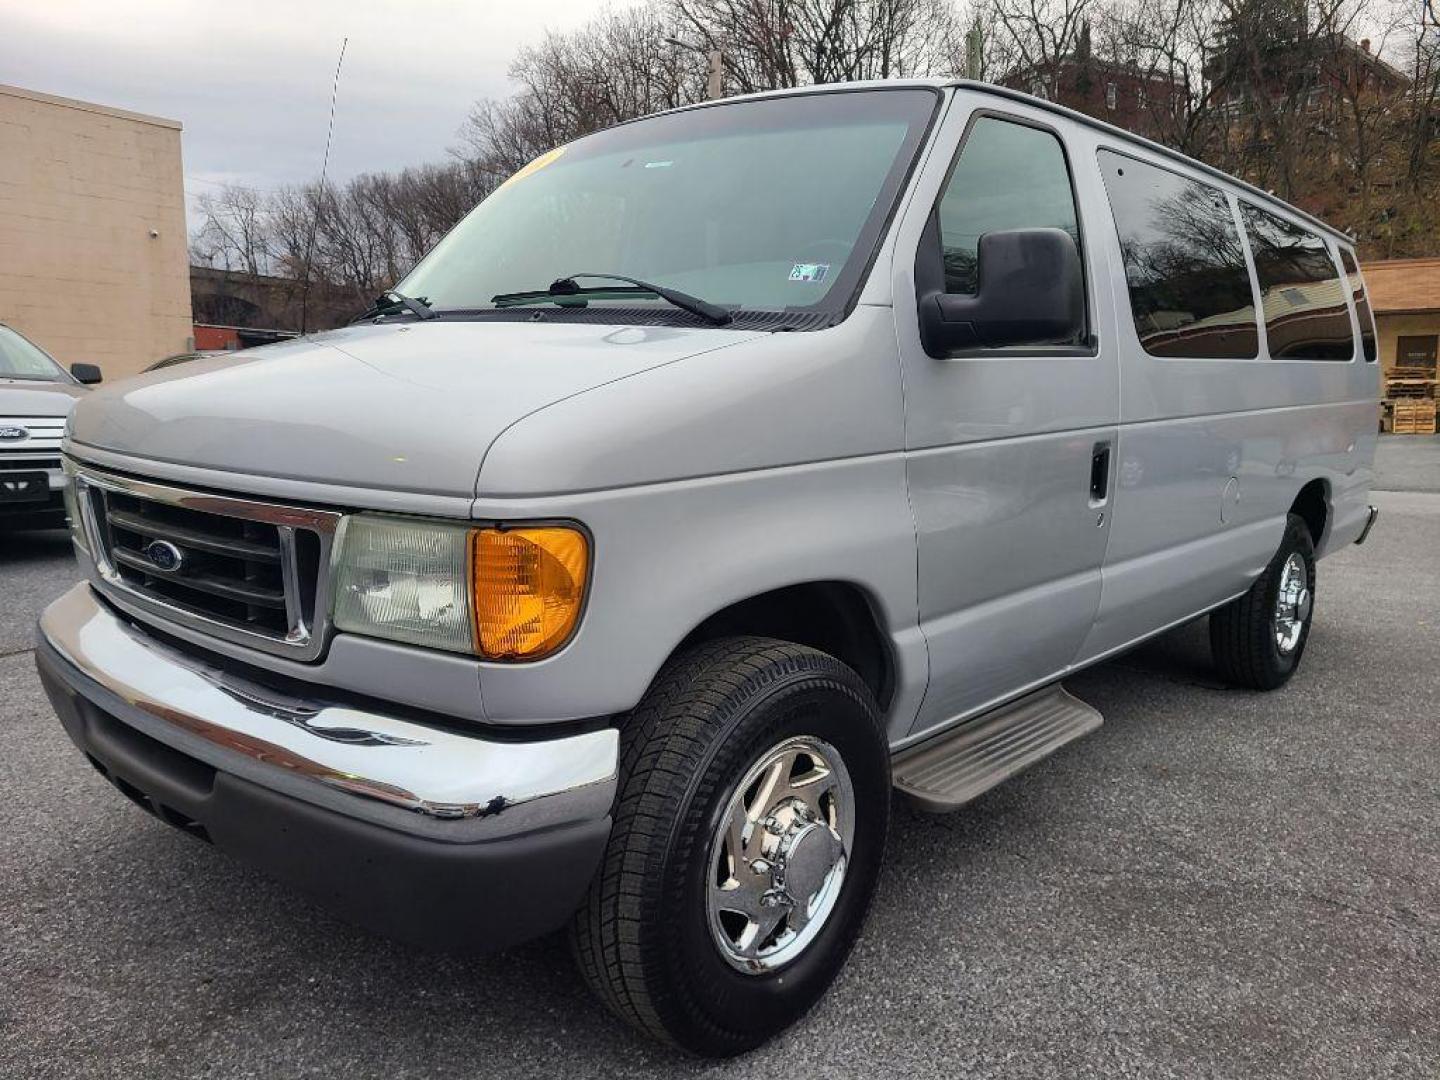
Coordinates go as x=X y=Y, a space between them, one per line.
x=512 y=593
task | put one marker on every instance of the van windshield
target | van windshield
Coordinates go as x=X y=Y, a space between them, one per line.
x=770 y=205
x=21 y=360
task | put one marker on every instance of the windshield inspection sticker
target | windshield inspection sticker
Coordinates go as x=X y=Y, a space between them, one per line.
x=811 y=272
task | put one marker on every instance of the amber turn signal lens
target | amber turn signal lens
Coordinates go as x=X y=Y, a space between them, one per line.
x=528 y=587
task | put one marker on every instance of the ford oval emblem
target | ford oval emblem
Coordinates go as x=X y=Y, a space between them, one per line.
x=164 y=556
x=14 y=433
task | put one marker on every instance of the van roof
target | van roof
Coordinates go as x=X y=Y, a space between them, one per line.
x=1120 y=133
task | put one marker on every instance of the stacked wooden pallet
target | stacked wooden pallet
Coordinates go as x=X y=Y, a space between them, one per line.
x=1415 y=416
x=1410 y=400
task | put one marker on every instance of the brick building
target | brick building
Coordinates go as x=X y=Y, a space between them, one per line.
x=1124 y=94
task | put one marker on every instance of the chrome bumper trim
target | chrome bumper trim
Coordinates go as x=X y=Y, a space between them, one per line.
x=1369 y=524
x=359 y=762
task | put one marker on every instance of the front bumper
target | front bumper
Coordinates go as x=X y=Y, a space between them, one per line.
x=428 y=834
x=48 y=513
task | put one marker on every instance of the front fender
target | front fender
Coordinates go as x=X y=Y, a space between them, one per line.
x=669 y=555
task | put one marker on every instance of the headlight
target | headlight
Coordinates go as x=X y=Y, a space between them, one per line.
x=404 y=580
x=504 y=594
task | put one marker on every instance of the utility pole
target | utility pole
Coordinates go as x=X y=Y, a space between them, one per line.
x=715 y=82
x=715 y=67
x=974 y=56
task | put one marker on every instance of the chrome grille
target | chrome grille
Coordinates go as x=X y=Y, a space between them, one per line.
x=39 y=448
x=235 y=568
x=224 y=567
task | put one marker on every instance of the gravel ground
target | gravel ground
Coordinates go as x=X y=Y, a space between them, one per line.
x=1214 y=884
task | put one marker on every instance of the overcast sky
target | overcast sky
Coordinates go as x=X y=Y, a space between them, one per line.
x=250 y=79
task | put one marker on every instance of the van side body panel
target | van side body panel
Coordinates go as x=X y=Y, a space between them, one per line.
x=1212 y=454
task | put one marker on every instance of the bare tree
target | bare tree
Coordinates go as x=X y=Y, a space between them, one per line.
x=234 y=234
x=772 y=44
x=1033 y=38
x=1275 y=91
x=367 y=233
x=645 y=59
x=621 y=65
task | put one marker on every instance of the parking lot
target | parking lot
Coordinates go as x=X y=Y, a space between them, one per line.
x=1215 y=883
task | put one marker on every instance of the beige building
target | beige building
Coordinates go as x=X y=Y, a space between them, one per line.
x=93 y=249
x=1405 y=294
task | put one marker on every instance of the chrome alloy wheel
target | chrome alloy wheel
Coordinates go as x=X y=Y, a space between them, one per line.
x=777 y=861
x=1292 y=604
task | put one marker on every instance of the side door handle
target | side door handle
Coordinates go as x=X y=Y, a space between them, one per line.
x=1100 y=473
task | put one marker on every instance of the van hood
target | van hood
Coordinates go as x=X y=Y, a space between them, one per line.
x=409 y=407
x=30 y=397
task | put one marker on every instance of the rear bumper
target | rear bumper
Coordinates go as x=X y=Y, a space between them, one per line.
x=427 y=834
x=1370 y=520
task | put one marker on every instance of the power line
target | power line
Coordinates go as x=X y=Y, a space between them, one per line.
x=266 y=189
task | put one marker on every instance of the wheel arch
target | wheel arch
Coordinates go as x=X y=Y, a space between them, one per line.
x=837 y=617
x=1312 y=505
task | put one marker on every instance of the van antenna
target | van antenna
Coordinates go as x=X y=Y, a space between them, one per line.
x=320 y=195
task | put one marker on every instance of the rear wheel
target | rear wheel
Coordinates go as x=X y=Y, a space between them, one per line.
x=1257 y=639
x=754 y=803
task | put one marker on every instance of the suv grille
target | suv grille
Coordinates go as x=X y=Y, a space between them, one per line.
x=241 y=570
x=39 y=449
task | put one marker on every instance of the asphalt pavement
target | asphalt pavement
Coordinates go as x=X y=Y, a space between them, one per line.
x=1216 y=883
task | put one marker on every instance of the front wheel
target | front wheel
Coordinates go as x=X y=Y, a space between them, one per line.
x=1257 y=639
x=754 y=803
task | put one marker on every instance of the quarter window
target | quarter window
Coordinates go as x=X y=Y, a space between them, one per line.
x=1185 y=267
x=1304 y=300
x=1362 y=305
x=1008 y=176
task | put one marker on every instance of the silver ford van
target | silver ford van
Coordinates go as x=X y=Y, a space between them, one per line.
x=720 y=473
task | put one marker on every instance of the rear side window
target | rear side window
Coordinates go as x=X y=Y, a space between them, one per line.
x=1185 y=267
x=1362 y=305
x=1306 y=317
x=1008 y=176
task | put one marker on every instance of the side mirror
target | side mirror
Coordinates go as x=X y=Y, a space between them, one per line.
x=1031 y=292
x=89 y=374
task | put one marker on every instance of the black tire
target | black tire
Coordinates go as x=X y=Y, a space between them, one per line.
x=1242 y=633
x=642 y=940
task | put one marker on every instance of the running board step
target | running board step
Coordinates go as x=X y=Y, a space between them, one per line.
x=947 y=772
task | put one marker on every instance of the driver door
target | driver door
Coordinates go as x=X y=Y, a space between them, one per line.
x=1008 y=450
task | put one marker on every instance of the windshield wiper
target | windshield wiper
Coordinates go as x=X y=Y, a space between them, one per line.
x=389 y=300
x=564 y=287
